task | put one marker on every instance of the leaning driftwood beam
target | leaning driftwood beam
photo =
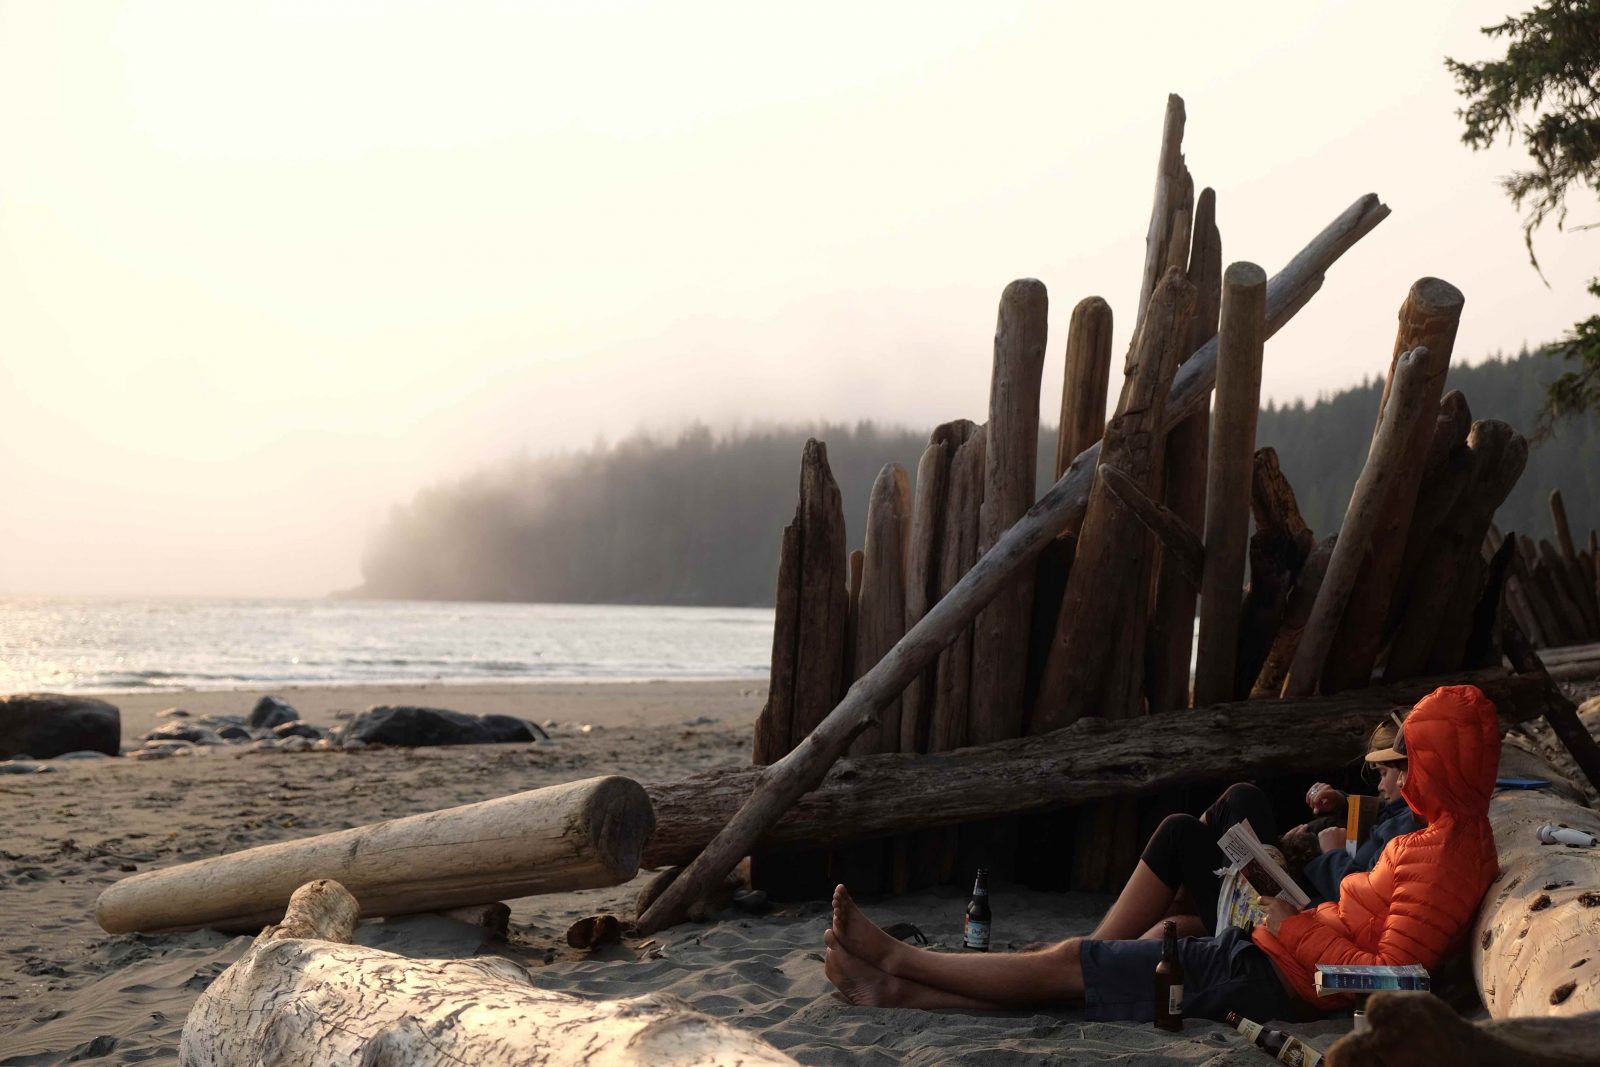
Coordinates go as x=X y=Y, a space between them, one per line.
x=1180 y=544
x=1090 y=760
x=1421 y=1030
x=302 y=995
x=581 y=835
x=1062 y=505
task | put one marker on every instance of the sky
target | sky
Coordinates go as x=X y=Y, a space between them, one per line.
x=267 y=269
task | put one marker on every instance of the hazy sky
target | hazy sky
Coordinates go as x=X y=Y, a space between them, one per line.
x=267 y=268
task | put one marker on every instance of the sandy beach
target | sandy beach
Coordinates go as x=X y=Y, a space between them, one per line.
x=71 y=993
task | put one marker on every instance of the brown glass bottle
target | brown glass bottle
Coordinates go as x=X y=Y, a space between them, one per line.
x=975 y=935
x=1285 y=1048
x=1169 y=980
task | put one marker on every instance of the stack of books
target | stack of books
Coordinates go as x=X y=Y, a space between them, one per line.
x=1337 y=978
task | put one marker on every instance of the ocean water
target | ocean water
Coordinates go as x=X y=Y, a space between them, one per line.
x=98 y=644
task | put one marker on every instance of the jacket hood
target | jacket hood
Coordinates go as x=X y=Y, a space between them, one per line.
x=1452 y=740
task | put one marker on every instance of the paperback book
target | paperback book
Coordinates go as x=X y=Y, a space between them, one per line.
x=1335 y=978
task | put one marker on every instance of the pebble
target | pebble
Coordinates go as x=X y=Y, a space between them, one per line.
x=83 y=754
x=23 y=766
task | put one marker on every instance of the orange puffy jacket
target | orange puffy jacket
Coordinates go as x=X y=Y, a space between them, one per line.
x=1419 y=900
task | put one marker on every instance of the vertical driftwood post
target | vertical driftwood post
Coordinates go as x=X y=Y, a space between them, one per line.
x=1433 y=632
x=773 y=724
x=1087 y=379
x=1558 y=515
x=1233 y=440
x=1000 y=634
x=1278 y=551
x=1407 y=398
x=935 y=850
x=881 y=610
x=1102 y=573
x=1171 y=178
x=1428 y=321
x=922 y=568
x=1269 y=680
x=852 y=610
x=1290 y=290
x=1172 y=619
x=821 y=609
x=1445 y=476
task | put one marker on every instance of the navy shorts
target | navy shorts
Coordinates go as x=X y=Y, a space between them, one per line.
x=1222 y=973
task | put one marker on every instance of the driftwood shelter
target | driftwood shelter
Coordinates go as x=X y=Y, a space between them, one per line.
x=993 y=670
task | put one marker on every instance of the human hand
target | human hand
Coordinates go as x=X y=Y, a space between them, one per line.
x=1277 y=910
x=1332 y=839
x=1324 y=799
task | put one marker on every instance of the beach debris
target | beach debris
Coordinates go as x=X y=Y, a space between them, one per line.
x=270 y=712
x=23 y=766
x=1413 y=1029
x=906 y=932
x=594 y=931
x=493 y=919
x=303 y=995
x=44 y=725
x=417 y=727
x=578 y=835
x=298 y=728
x=193 y=732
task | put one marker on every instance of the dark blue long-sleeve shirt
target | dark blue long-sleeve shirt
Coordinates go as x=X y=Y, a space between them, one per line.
x=1324 y=873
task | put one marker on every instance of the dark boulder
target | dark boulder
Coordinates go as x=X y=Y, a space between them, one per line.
x=183 y=730
x=271 y=712
x=508 y=729
x=413 y=727
x=44 y=725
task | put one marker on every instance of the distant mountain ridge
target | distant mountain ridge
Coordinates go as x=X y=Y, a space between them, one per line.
x=698 y=519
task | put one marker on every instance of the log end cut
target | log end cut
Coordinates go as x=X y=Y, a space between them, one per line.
x=619 y=819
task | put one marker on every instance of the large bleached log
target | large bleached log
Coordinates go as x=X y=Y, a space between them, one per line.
x=1171 y=630
x=1536 y=943
x=1228 y=479
x=1421 y=1030
x=303 y=996
x=1092 y=759
x=1289 y=291
x=1000 y=632
x=1366 y=516
x=1079 y=667
x=581 y=835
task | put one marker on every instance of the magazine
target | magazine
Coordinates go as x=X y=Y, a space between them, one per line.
x=1254 y=871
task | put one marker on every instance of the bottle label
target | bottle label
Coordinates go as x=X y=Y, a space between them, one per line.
x=1175 y=1000
x=1297 y=1053
x=1250 y=1030
x=977 y=934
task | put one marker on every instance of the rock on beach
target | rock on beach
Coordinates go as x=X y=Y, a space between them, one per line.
x=46 y=725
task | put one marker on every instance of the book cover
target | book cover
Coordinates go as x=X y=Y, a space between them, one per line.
x=1353 y=978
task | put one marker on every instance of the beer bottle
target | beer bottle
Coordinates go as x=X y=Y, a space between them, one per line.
x=1169 y=980
x=1286 y=1048
x=976 y=933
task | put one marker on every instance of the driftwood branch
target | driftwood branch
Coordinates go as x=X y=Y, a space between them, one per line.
x=1179 y=541
x=1062 y=505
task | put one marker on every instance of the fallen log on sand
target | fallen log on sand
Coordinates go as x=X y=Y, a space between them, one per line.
x=1420 y=1030
x=580 y=835
x=1091 y=759
x=303 y=995
x=1060 y=507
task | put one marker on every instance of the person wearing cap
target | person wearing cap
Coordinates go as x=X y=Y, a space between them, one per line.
x=1323 y=873
x=1413 y=906
x=1176 y=877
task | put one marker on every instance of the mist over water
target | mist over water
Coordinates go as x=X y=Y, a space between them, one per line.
x=94 y=644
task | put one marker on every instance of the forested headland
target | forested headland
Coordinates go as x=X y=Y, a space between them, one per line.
x=697 y=519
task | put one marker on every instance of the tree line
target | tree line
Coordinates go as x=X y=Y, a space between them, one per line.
x=697 y=518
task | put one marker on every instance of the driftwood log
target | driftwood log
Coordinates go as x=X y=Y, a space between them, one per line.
x=881 y=610
x=1269 y=680
x=1421 y=1030
x=1000 y=632
x=1228 y=478
x=1060 y=507
x=1092 y=759
x=1171 y=631
x=580 y=835
x=303 y=996
x=1087 y=378
x=1366 y=516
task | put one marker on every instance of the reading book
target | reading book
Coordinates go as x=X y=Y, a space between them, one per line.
x=1255 y=871
x=1260 y=867
x=1333 y=978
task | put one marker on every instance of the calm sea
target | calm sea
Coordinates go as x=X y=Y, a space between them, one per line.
x=61 y=643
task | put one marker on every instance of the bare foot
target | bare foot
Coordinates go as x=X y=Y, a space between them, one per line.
x=858 y=981
x=860 y=936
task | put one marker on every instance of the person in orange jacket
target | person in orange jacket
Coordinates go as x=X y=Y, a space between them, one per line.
x=1415 y=905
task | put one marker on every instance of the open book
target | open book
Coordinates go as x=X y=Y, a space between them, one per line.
x=1253 y=871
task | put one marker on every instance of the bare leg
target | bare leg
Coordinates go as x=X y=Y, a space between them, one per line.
x=863 y=984
x=1001 y=979
x=1143 y=901
x=1188 y=926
